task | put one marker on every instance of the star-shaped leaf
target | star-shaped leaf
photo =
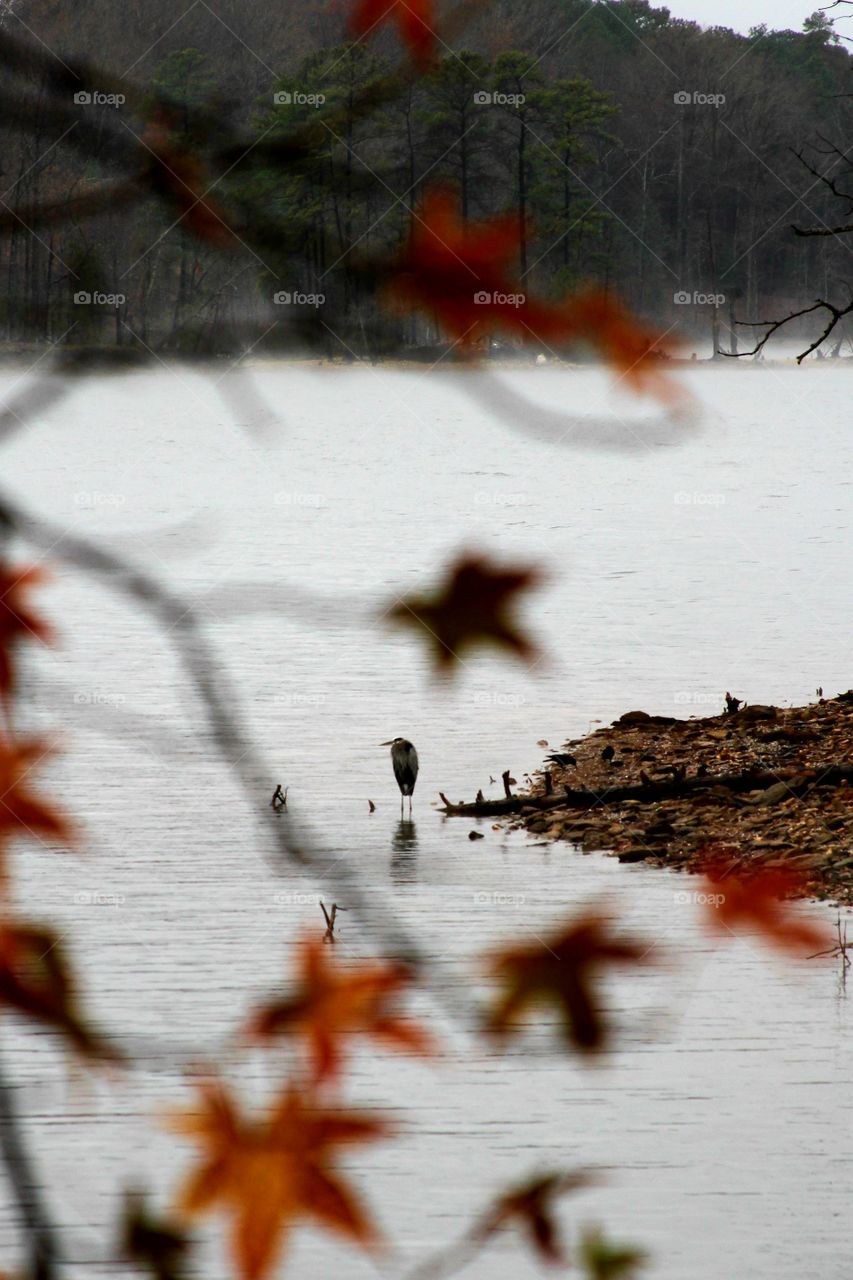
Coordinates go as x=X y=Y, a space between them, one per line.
x=35 y=980
x=17 y=620
x=531 y=1205
x=333 y=1002
x=756 y=903
x=473 y=606
x=462 y=274
x=415 y=20
x=22 y=813
x=271 y=1173
x=559 y=973
x=180 y=176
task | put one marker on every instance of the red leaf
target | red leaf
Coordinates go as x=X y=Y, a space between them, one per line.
x=473 y=606
x=35 y=980
x=531 y=1206
x=269 y=1173
x=462 y=273
x=16 y=619
x=332 y=1004
x=415 y=19
x=558 y=972
x=21 y=812
x=757 y=902
x=180 y=175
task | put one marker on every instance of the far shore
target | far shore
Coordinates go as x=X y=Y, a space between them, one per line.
x=121 y=359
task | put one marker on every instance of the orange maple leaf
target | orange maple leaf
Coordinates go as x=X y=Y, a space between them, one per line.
x=415 y=20
x=461 y=272
x=267 y=1174
x=757 y=902
x=36 y=980
x=16 y=618
x=331 y=1004
x=21 y=812
x=473 y=606
x=558 y=972
x=531 y=1206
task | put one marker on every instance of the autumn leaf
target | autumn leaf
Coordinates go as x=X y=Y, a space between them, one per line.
x=21 y=812
x=157 y=1245
x=181 y=177
x=531 y=1206
x=35 y=979
x=559 y=972
x=268 y=1174
x=757 y=903
x=17 y=621
x=461 y=272
x=332 y=1004
x=602 y=1260
x=473 y=606
x=415 y=20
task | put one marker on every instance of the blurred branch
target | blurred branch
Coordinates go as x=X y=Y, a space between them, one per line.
x=41 y=1244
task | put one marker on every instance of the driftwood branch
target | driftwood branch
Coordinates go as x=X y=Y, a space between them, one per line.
x=795 y=781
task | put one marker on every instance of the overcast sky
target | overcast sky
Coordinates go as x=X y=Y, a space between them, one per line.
x=740 y=15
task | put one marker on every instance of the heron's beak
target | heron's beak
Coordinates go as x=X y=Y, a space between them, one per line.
x=387 y=744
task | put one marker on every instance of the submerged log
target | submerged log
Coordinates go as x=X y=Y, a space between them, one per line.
x=797 y=781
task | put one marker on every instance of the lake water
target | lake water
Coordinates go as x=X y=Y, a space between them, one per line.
x=292 y=508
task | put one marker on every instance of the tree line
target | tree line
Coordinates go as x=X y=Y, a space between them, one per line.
x=664 y=162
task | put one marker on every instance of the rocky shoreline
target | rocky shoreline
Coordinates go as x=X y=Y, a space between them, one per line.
x=767 y=787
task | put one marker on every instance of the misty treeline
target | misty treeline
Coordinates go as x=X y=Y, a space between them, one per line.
x=661 y=161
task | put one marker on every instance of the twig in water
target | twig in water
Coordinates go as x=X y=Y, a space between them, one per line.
x=329 y=935
x=841 y=948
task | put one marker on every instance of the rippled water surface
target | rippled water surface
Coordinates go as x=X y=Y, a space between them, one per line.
x=678 y=562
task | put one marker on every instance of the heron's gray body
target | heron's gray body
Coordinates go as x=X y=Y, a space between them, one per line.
x=404 y=759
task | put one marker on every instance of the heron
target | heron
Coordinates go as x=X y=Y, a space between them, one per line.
x=404 y=759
